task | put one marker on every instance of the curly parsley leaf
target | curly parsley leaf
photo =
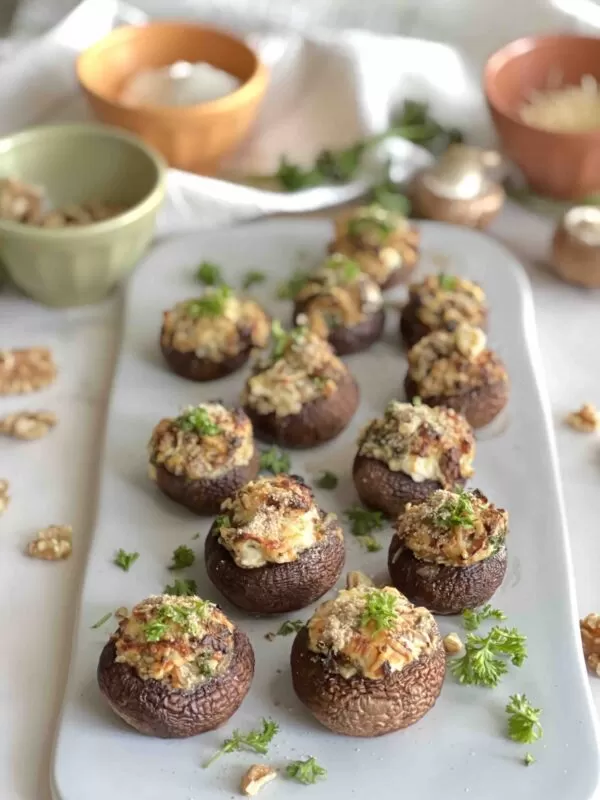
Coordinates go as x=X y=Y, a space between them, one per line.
x=182 y=587
x=327 y=480
x=447 y=282
x=528 y=759
x=274 y=461
x=197 y=420
x=523 y=720
x=124 y=560
x=209 y=274
x=485 y=659
x=252 y=278
x=307 y=771
x=290 y=288
x=286 y=628
x=183 y=556
x=363 y=521
x=257 y=740
x=473 y=617
x=380 y=610
x=456 y=512
x=212 y=304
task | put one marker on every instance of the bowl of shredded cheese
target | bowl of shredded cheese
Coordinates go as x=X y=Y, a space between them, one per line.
x=544 y=97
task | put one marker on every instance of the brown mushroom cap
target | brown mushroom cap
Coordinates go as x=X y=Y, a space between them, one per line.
x=155 y=708
x=380 y=488
x=277 y=588
x=205 y=495
x=413 y=329
x=359 y=706
x=479 y=405
x=351 y=339
x=319 y=420
x=189 y=366
x=441 y=588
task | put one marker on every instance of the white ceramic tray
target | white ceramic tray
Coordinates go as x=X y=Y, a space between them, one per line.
x=460 y=748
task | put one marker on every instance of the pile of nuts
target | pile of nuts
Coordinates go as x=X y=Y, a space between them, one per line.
x=52 y=543
x=28 y=370
x=28 y=424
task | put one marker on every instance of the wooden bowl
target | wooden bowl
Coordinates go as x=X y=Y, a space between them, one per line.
x=561 y=165
x=194 y=138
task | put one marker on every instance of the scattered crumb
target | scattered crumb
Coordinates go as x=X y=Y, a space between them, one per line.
x=590 y=638
x=28 y=424
x=4 y=495
x=587 y=419
x=257 y=776
x=452 y=644
x=28 y=370
x=53 y=543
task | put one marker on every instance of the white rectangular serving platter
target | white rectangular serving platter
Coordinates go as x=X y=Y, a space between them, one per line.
x=460 y=749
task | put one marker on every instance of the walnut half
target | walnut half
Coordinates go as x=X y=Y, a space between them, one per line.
x=590 y=637
x=587 y=419
x=452 y=644
x=53 y=543
x=4 y=495
x=257 y=776
x=28 y=424
x=23 y=371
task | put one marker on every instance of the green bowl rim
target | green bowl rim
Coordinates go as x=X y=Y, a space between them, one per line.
x=137 y=211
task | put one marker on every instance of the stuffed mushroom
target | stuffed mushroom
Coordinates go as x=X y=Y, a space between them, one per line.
x=203 y=456
x=384 y=243
x=273 y=549
x=439 y=302
x=341 y=304
x=301 y=394
x=456 y=369
x=449 y=552
x=410 y=452
x=175 y=667
x=211 y=336
x=368 y=662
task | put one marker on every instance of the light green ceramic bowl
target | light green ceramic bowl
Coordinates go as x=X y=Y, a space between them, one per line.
x=76 y=164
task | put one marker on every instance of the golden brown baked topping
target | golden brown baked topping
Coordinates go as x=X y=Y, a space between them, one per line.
x=451 y=362
x=28 y=370
x=181 y=641
x=216 y=326
x=4 y=495
x=453 y=528
x=337 y=294
x=301 y=368
x=372 y=631
x=423 y=442
x=590 y=637
x=205 y=441
x=28 y=424
x=587 y=419
x=270 y=521
x=442 y=300
x=53 y=543
x=379 y=240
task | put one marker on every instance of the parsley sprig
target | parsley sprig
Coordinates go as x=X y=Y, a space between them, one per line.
x=286 y=628
x=327 y=480
x=274 y=461
x=197 y=420
x=363 y=523
x=473 y=617
x=456 y=512
x=291 y=287
x=212 y=304
x=485 y=659
x=523 y=720
x=182 y=587
x=307 y=771
x=124 y=560
x=252 y=278
x=183 y=556
x=380 y=609
x=257 y=740
x=209 y=273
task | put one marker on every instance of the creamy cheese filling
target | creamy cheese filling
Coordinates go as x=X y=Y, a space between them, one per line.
x=422 y=442
x=444 y=299
x=270 y=521
x=239 y=323
x=181 y=641
x=453 y=529
x=371 y=631
x=187 y=450
x=307 y=369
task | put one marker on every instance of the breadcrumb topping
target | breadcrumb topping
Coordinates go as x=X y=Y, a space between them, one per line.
x=455 y=529
x=423 y=442
x=305 y=370
x=181 y=641
x=451 y=362
x=241 y=323
x=442 y=300
x=270 y=521
x=339 y=628
x=197 y=455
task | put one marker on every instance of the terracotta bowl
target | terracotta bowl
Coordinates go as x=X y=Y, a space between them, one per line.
x=194 y=138
x=561 y=165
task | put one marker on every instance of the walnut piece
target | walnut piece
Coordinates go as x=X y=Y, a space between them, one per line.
x=52 y=543
x=28 y=424
x=4 y=495
x=452 y=644
x=590 y=637
x=28 y=370
x=357 y=578
x=257 y=776
x=587 y=419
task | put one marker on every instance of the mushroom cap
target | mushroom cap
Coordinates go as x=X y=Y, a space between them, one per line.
x=277 y=588
x=319 y=420
x=352 y=339
x=359 y=706
x=441 y=588
x=479 y=405
x=156 y=709
x=189 y=366
x=205 y=495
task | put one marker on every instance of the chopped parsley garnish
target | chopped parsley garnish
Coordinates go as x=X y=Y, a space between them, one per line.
x=307 y=771
x=388 y=196
x=286 y=628
x=447 y=282
x=346 y=267
x=252 y=278
x=209 y=274
x=101 y=621
x=156 y=628
x=416 y=401
x=473 y=617
x=528 y=759
x=197 y=420
x=523 y=720
x=456 y=512
x=370 y=543
x=370 y=224
x=363 y=522
x=222 y=521
x=124 y=559
x=289 y=289
x=281 y=338
x=327 y=480
x=182 y=587
x=274 y=461
x=206 y=670
x=257 y=741
x=212 y=304
x=380 y=609
x=485 y=658
x=183 y=556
